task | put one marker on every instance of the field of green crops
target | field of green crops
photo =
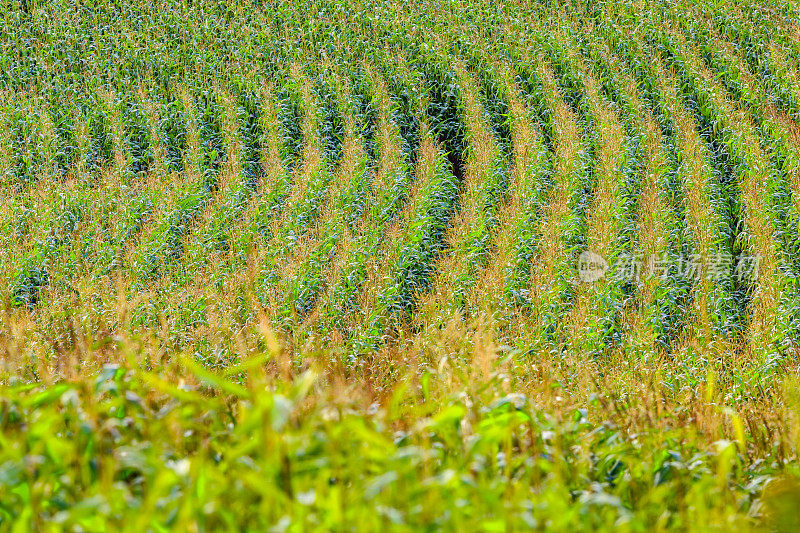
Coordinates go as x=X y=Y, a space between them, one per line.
x=461 y=265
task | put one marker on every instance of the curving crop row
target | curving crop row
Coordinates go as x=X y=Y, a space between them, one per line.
x=413 y=247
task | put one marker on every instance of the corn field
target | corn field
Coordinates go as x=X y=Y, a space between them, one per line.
x=399 y=265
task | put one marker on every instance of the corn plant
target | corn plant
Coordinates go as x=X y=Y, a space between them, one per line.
x=399 y=265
